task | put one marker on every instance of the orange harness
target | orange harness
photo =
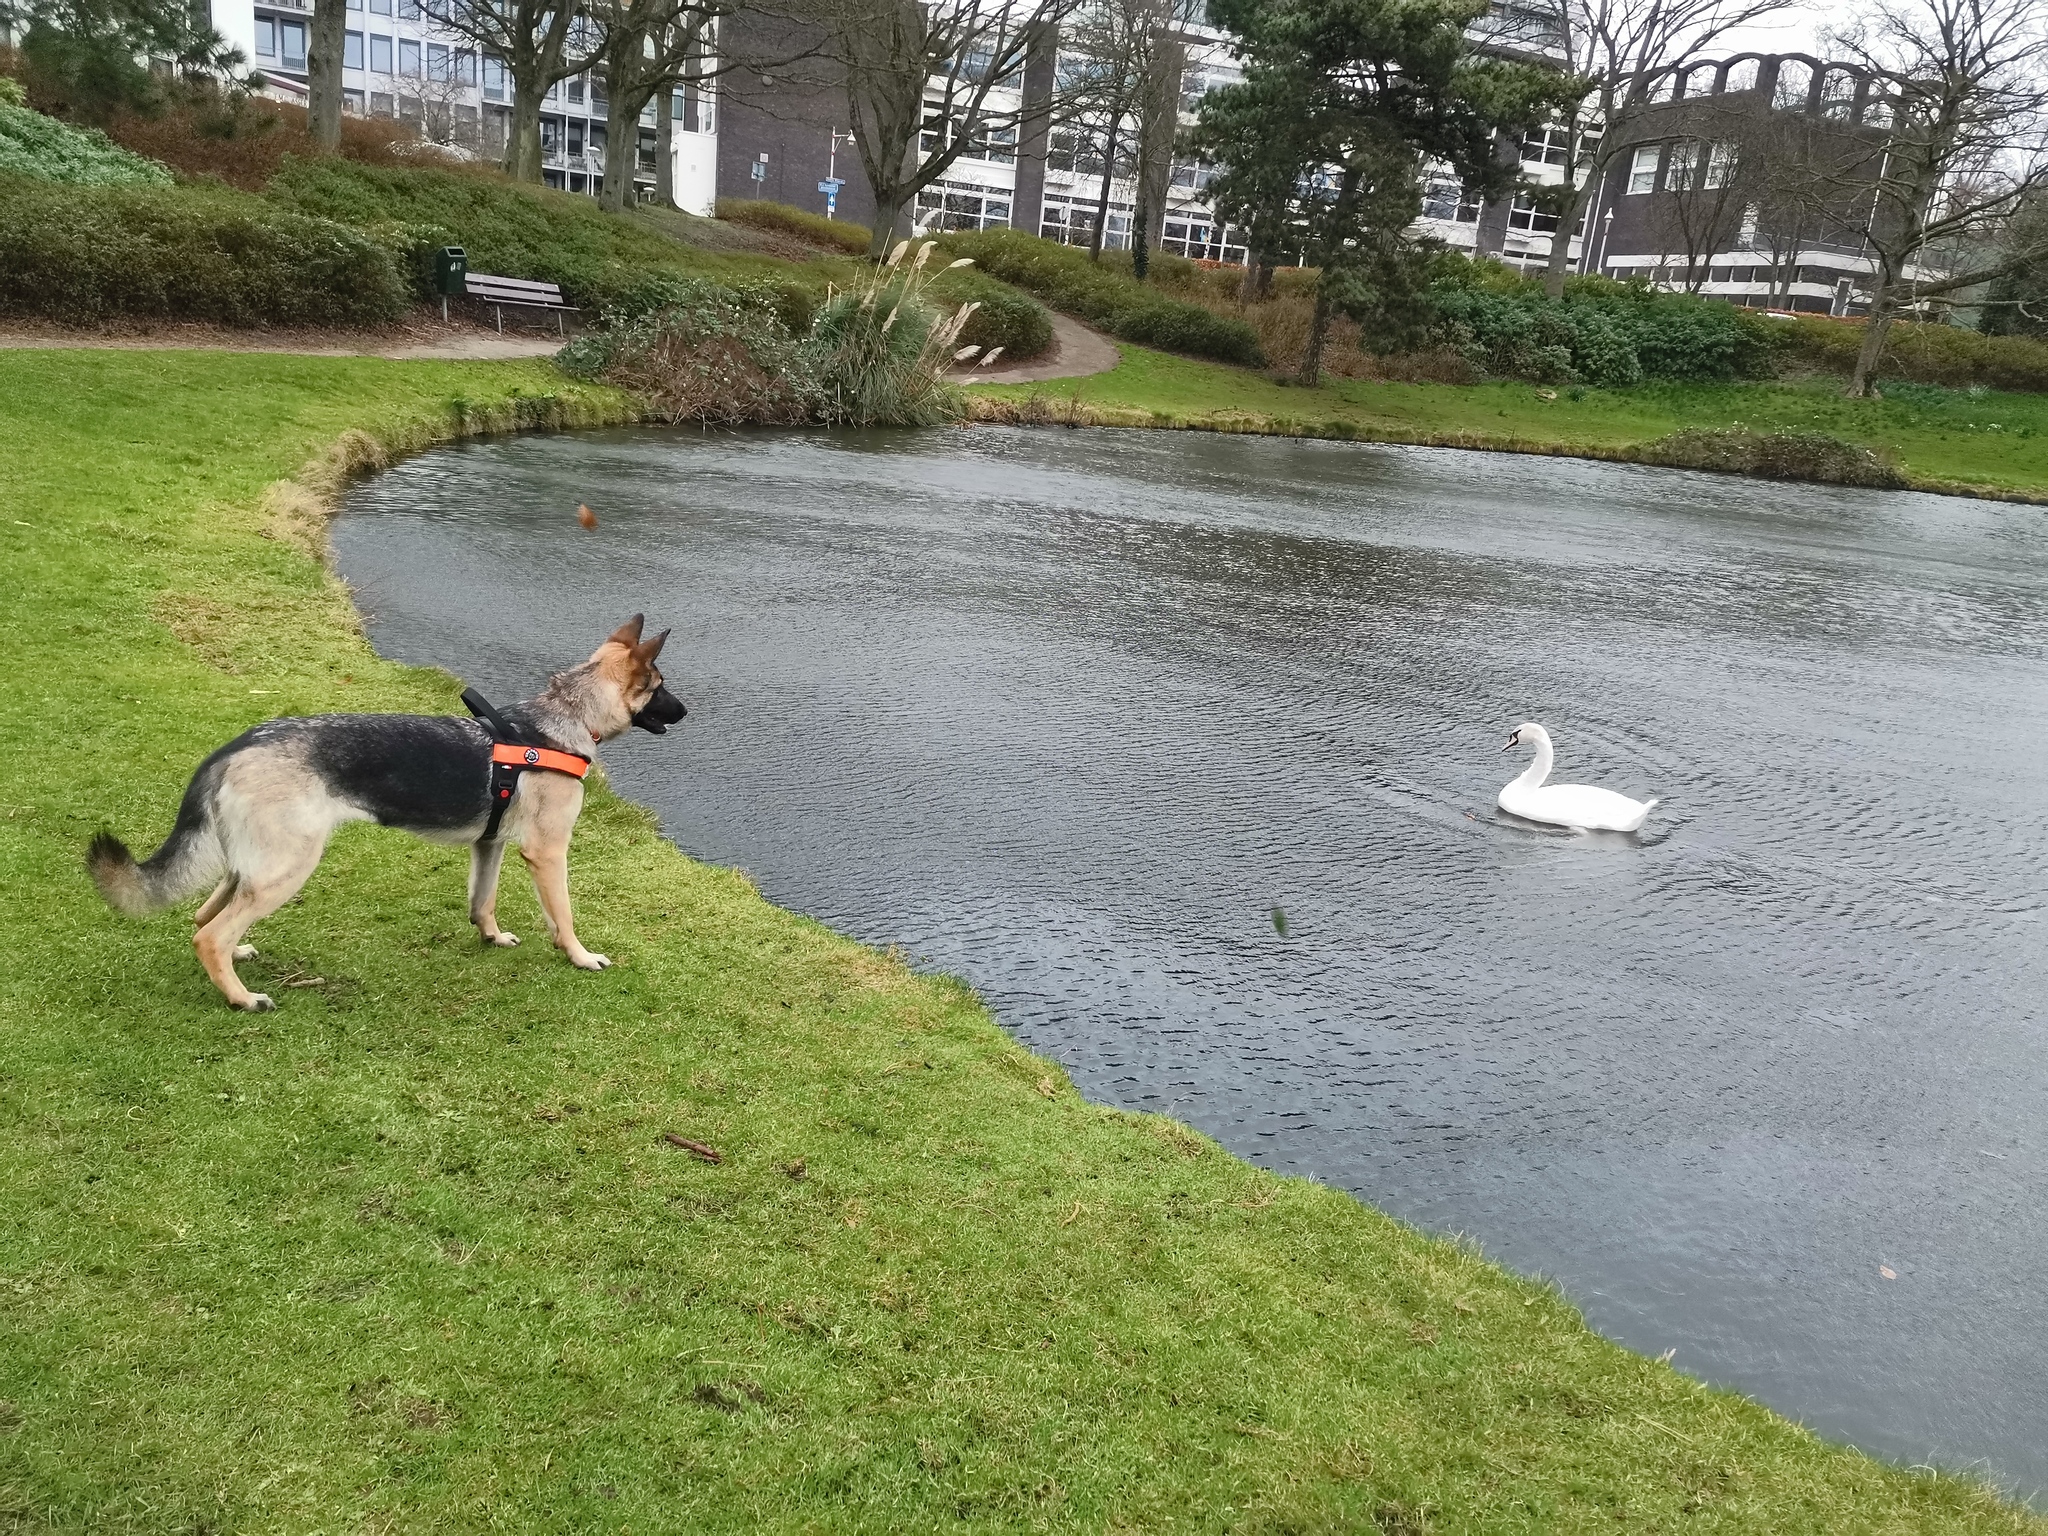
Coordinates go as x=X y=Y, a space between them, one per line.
x=516 y=757
x=509 y=759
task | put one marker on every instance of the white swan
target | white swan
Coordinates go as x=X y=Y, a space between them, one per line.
x=1580 y=806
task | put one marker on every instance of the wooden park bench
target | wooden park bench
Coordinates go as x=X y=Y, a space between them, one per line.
x=516 y=292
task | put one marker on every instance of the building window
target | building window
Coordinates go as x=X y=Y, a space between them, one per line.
x=576 y=88
x=962 y=205
x=380 y=55
x=380 y=7
x=355 y=5
x=408 y=10
x=1195 y=175
x=351 y=50
x=1546 y=146
x=292 y=43
x=409 y=57
x=494 y=78
x=1445 y=198
x=1071 y=221
x=266 y=37
x=1522 y=214
x=1199 y=237
x=437 y=61
x=383 y=104
x=575 y=137
x=1642 y=170
x=352 y=103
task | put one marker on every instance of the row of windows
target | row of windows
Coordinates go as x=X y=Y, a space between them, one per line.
x=992 y=141
x=962 y=205
x=1678 y=272
x=1692 y=165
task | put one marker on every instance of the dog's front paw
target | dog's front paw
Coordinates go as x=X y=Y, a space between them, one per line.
x=589 y=962
x=502 y=940
x=245 y=951
x=256 y=1002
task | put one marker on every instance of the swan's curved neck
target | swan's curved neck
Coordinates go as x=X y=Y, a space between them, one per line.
x=1539 y=770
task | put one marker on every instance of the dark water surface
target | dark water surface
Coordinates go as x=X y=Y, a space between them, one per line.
x=1069 y=713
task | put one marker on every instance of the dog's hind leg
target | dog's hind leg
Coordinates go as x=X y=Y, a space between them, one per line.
x=485 y=860
x=209 y=909
x=255 y=897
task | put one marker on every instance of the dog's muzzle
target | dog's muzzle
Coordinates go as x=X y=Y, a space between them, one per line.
x=660 y=712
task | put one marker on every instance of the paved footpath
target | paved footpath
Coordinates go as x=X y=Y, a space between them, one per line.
x=454 y=345
x=1076 y=351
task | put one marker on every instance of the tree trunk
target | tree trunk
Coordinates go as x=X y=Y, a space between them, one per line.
x=1311 y=373
x=890 y=203
x=1561 y=243
x=522 y=143
x=1141 y=247
x=1102 y=202
x=622 y=146
x=1863 y=378
x=323 y=73
x=1248 y=286
x=665 y=146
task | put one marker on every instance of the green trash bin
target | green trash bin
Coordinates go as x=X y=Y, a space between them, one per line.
x=451 y=266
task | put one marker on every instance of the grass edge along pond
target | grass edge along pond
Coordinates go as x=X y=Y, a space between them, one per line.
x=413 y=1253
x=1972 y=442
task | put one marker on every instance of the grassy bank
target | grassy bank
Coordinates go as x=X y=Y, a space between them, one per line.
x=411 y=1253
x=1978 y=442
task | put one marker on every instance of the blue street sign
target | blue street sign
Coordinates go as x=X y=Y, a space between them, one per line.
x=830 y=185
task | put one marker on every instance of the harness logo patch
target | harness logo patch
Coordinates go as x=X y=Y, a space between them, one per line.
x=532 y=755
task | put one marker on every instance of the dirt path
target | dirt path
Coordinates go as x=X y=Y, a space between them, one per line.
x=1076 y=353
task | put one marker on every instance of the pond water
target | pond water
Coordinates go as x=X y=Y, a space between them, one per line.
x=1071 y=713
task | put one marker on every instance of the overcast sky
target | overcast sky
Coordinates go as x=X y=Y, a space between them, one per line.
x=1797 y=31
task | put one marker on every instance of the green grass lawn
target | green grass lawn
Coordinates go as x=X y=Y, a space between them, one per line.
x=411 y=1253
x=1941 y=437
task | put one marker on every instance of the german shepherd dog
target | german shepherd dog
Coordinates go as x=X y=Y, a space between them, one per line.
x=257 y=815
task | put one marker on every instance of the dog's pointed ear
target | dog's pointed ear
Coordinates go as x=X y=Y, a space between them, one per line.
x=628 y=633
x=646 y=653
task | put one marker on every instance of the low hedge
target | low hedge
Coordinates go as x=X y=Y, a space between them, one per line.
x=1919 y=353
x=508 y=229
x=1007 y=319
x=813 y=228
x=1610 y=338
x=1113 y=301
x=82 y=254
x=34 y=145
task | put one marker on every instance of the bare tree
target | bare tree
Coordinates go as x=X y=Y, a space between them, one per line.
x=1113 y=43
x=540 y=42
x=323 y=72
x=1702 y=211
x=1617 y=50
x=1958 y=145
x=1158 y=131
x=648 y=48
x=918 y=78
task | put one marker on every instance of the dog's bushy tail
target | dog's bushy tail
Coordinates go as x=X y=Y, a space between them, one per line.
x=189 y=860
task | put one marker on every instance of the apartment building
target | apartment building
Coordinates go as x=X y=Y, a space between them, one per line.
x=1684 y=208
x=396 y=63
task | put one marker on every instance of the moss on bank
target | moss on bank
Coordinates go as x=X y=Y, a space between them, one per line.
x=413 y=1253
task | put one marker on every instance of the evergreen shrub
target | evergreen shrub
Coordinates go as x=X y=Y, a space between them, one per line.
x=1105 y=297
x=34 y=145
x=82 y=254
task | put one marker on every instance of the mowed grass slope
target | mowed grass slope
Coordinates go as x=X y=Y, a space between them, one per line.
x=412 y=1254
x=1943 y=438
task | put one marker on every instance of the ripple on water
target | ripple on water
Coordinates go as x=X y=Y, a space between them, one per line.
x=1071 y=713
